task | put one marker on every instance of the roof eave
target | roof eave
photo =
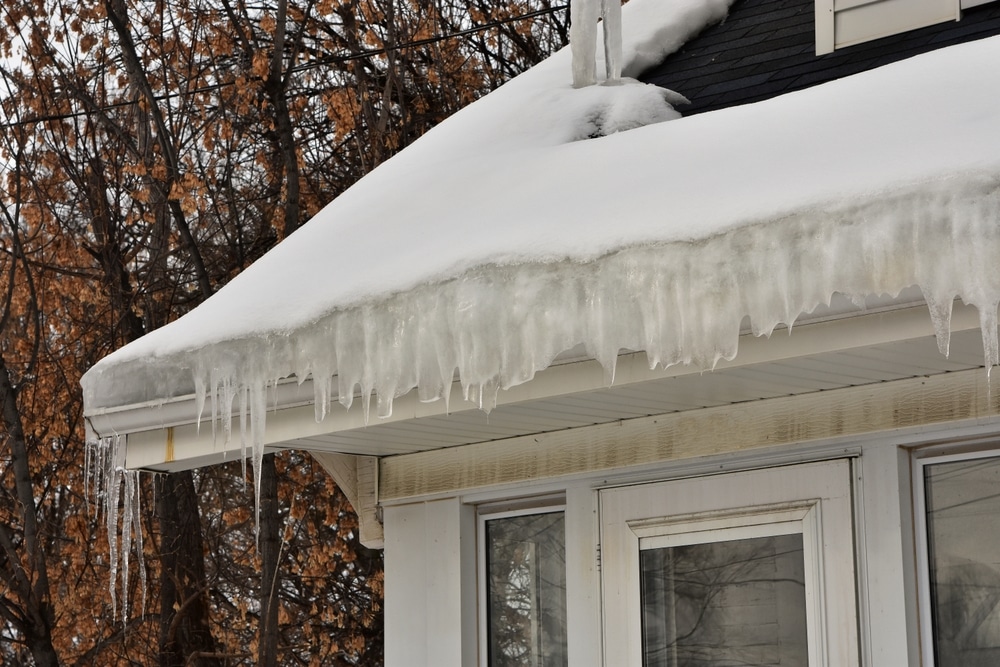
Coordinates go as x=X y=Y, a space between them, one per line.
x=172 y=435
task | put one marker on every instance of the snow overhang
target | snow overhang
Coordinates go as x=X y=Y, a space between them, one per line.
x=504 y=238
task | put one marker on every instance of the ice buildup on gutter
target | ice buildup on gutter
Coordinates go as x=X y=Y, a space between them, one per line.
x=681 y=302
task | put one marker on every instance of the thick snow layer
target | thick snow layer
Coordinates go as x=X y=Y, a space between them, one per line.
x=506 y=235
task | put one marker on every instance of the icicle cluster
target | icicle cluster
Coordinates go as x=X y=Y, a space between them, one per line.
x=681 y=303
x=115 y=492
x=252 y=412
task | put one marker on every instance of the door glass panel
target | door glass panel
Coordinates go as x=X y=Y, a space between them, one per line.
x=736 y=602
x=963 y=538
x=526 y=590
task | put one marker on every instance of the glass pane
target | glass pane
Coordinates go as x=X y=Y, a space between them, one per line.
x=526 y=590
x=740 y=602
x=963 y=535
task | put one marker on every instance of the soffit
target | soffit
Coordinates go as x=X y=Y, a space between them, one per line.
x=725 y=386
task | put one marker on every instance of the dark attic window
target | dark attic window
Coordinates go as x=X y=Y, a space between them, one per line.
x=766 y=48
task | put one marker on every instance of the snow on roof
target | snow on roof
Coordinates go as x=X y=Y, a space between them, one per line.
x=507 y=236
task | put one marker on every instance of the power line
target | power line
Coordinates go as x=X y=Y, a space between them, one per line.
x=301 y=68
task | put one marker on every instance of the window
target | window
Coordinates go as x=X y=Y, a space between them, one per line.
x=523 y=570
x=960 y=503
x=744 y=568
x=841 y=23
x=730 y=601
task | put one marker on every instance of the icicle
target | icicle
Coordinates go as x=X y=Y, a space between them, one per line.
x=988 y=324
x=126 y=542
x=213 y=386
x=383 y=404
x=345 y=390
x=116 y=492
x=112 y=479
x=258 y=410
x=611 y=26
x=243 y=432
x=583 y=40
x=199 y=398
x=137 y=530
x=940 y=307
x=366 y=402
x=446 y=384
x=88 y=472
x=226 y=411
x=321 y=397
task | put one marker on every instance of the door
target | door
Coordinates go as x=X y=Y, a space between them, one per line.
x=749 y=568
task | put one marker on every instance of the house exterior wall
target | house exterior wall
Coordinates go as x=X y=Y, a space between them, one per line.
x=430 y=601
x=431 y=589
x=432 y=617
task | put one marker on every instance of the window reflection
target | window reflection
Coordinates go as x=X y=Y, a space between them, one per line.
x=963 y=535
x=739 y=602
x=526 y=590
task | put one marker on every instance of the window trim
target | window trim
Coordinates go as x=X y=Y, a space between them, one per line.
x=489 y=512
x=797 y=518
x=920 y=461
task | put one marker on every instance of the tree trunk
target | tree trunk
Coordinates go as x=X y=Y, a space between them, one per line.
x=32 y=584
x=185 y=638
x=275 y=87
x=270 y=550
x=118 y=16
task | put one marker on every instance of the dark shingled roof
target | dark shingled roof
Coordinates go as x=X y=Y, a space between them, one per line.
x=765 y=48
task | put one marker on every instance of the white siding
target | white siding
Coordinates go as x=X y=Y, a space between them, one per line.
x=430 y=591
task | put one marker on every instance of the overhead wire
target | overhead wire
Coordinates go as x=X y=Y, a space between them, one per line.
x=312 y=64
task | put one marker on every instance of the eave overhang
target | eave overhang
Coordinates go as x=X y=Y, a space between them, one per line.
x=883 y=345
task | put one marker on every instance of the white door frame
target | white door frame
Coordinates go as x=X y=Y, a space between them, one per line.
x=814 y=499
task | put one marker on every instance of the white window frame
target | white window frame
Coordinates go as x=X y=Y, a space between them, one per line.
x=505 y=510
x=785 y=499
x=801 y=518
x=922 y=460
